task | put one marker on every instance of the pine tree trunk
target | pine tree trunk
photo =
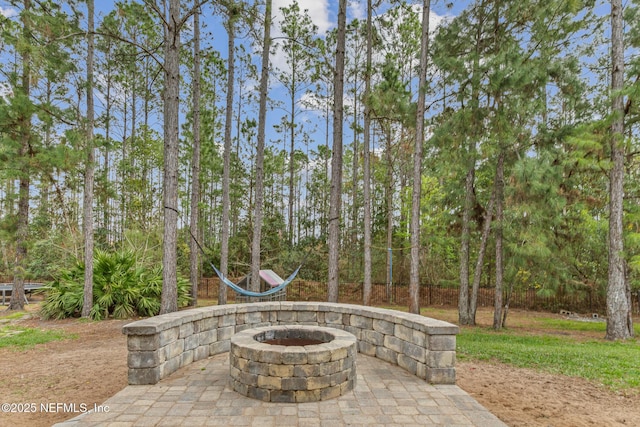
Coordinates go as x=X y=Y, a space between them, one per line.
x=618 y=325
x=22 y=226
x=389 y=206
x=335 y=197
x=226 y=170
x=194 y=252
x=484 y=241
x=497 y=314
x=464 y=317
x=414 y=280
x=629 y=301
x=89 y=172
x=505 y=311
x=259 y=167
x=108 y=200
x=324 y=217
x=353 y=262
x=292 y=153
x=467 y=304
x=366 y=295
x=169 y=300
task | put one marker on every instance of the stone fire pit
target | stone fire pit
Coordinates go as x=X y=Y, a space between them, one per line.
x=296 y=363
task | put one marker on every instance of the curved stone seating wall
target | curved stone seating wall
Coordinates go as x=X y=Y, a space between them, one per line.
x=160 y=345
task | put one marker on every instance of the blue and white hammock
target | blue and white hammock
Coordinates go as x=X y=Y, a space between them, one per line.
x=243 y=291
x=248 y=293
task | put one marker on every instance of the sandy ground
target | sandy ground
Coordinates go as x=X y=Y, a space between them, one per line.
x=82 y=371
x=67 y=376
x=524 y=397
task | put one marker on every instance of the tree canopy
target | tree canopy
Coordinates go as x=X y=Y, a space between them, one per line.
x=516 y=153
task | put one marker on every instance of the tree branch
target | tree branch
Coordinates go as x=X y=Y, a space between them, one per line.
x=57 y=116
x=294 y=41
x=191 y=11
x=132 y=43
x=157 y=10
x=115 y=37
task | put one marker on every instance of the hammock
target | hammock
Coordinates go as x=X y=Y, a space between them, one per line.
x=243 y=291
x=248 y=293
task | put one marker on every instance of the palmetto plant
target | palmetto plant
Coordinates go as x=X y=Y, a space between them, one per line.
x=122 y=287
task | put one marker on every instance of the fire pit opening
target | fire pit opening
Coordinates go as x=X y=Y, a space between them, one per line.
x=294 y=337
x=292 y=341
x=297 y=363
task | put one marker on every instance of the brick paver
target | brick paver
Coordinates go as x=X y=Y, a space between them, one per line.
x=198 y=395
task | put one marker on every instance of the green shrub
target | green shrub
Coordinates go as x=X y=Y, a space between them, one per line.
x=122 y=288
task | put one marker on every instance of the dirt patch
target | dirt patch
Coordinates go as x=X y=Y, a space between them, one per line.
x=524 y=397
x=91 y=368
x=58 y=380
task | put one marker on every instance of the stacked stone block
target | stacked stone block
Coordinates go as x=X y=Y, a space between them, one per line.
x=278 y=373
x=160 y=345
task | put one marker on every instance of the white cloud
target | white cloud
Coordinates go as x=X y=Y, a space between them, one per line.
x=8 y=12
x=5 y=88
x=316 y=103
x=318 y=11
x=5 y=91
x=356 y=9
x=117 y=91
x=435 y=20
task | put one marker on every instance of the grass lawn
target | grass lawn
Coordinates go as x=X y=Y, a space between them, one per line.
x=551 y=344
x=613 y=364
x=20 y=338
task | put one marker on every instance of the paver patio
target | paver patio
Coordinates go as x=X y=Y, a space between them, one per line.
x=199 y=395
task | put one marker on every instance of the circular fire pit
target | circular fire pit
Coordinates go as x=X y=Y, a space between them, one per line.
x=297 y=363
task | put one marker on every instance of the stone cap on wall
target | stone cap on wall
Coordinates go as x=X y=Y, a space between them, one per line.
x=156 y=324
